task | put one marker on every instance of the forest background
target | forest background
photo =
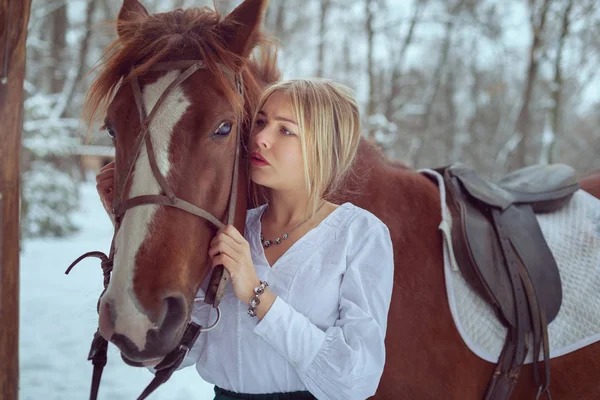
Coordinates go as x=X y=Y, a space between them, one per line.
x=495 y=84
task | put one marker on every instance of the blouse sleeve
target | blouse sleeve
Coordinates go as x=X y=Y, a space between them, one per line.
x=346 y=361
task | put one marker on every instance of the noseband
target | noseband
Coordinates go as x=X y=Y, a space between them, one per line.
x=219 y=276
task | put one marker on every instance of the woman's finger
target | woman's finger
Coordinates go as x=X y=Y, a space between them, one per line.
x=224 y=260
x=107 y=181
x=104 y=186
x=107 y=166
x=223 y=248
x=223 y=237
x=105 y=175
x=233 y=233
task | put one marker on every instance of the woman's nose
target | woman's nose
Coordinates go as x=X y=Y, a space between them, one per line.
x=262 y=139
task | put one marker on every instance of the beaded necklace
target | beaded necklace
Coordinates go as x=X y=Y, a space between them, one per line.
x=268 y=243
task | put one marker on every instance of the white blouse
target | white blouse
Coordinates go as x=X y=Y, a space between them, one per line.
x=325 y=332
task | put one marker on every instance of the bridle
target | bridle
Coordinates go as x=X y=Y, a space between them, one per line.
x=219 y=277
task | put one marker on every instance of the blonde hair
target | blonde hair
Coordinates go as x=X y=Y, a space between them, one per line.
x=329 y=123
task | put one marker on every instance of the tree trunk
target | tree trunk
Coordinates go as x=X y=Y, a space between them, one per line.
x=347 y=63
x=14 y=17
x=432 y=91
x=473 y=118
x=72 y=81
x=109 y=13
x=558 y=84
x=398 y=64
x=369 y=5
x=225 y=6
x=275 y=24
x=325 y=5
x=453 y=134
x=57 y=48
x=524 y=127
x=178 y=4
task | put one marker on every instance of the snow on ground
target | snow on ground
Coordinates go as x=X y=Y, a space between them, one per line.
x=58 y=319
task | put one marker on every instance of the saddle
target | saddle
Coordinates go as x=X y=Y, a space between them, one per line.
x=502 y=254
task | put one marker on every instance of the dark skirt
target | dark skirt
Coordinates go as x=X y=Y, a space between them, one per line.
x=222 y=394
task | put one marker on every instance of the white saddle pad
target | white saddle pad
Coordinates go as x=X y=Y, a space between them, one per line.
x=573 y=235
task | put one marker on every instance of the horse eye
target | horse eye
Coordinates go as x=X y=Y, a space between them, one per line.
x=111 y=132
x=224 y=129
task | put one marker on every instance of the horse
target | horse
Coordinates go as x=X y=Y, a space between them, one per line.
x=161 y=255
x=589 y=183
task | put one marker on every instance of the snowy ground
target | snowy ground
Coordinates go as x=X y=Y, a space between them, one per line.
x=58 y=319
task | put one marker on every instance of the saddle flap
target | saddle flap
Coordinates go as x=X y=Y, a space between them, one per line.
x=533 y=252
x=502 y=253
x=486 y=192
x=482 y=262
x=481 y=258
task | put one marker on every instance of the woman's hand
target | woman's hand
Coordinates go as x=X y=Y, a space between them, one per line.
x=230 y=249
x=105 y=181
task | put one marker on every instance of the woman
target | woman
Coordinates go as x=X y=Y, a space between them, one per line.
x=305 y=316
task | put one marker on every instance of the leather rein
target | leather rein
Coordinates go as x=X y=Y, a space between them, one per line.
x=219 y=277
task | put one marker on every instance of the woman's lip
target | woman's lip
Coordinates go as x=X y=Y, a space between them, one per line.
x=257 y=162
x=257 y=157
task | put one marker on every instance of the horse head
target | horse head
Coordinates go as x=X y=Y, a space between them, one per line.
x=193 y=125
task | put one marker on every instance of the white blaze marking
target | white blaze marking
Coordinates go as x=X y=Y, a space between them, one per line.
x=131 y=320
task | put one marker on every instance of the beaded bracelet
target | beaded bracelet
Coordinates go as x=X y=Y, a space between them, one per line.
x=255 y=301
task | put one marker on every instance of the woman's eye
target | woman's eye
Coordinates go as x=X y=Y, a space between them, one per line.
x=286 y=131
x=259 y=122
x=224 y=129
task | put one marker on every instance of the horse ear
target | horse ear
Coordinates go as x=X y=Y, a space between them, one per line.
x=131 y=10
x=241 y=26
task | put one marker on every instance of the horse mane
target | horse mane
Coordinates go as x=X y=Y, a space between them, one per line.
x=193 y=33
x=261 y=71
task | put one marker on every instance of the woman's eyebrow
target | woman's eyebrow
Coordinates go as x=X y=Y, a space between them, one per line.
x=278 y=118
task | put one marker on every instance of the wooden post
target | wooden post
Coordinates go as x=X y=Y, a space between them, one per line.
x=14 y=17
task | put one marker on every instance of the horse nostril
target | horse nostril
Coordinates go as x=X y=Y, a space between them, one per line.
x=106 y=321
x=175 y=314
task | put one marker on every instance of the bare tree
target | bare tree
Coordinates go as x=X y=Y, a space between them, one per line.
x=110 y=11
x=454 y=92
x=325 y=6
x=452 y=133
x=524 y=124
x=225 y=6
x=371 y=104
x=77 y=72
x=557 y=87
x=58 y=47
x=431 y=92
x=397 y=65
